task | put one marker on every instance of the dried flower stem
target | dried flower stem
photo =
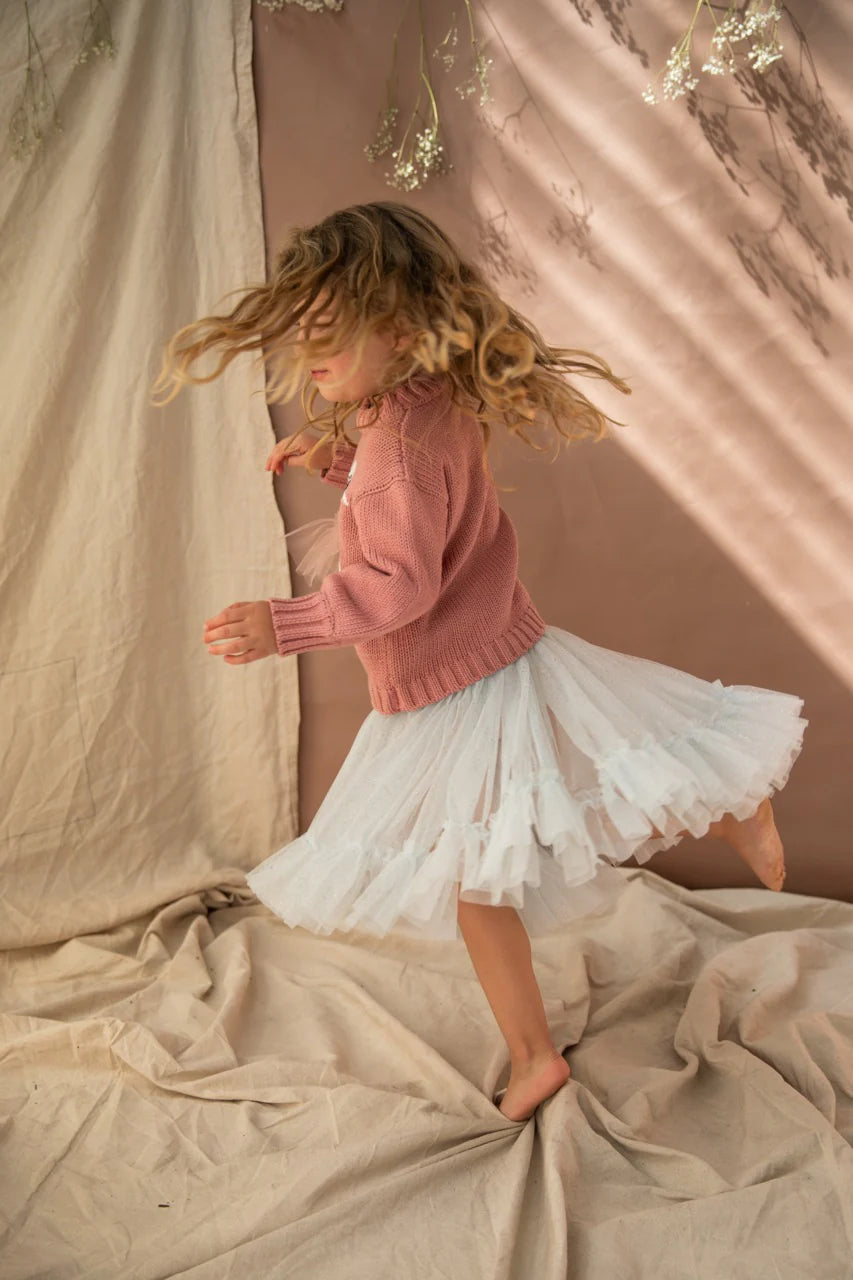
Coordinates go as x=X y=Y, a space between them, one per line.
x=26 y=129
x=314 y=6
x=25 y=126
x=735 y=26
x=423 y=155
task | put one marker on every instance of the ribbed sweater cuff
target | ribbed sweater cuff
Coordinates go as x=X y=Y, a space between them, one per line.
x=302 y=623
x=336 y=473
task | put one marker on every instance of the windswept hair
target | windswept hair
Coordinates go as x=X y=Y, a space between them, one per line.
x=386 y=268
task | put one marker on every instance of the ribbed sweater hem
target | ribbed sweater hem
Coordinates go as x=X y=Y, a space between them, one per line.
x=456 y=674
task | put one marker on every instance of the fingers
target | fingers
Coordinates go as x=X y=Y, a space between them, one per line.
x=211 y=625
x=277 y=461
x=288 y=452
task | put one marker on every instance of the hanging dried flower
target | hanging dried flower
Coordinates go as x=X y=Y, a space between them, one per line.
x=422 y=153
x=758 y=22
x=481 y=65
x=448 y=57
x=27 y=125
x=315 y=6
x=384 y=134
x=97 y=35
x=465 y=90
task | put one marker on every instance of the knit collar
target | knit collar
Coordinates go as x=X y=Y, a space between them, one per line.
x=418 y=389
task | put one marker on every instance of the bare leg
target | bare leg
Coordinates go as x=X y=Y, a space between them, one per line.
x=756 y=840
x=500 y=953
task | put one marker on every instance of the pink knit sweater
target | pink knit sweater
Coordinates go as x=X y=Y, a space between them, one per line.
x=427 y=590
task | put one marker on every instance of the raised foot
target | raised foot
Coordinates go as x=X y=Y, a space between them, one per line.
x=530 y=1085
x=757 y=841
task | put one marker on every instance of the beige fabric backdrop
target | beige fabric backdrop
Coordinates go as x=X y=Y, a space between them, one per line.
x=136 y=766
x=189 y=1088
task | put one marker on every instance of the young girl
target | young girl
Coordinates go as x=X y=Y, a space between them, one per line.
x=507 y=766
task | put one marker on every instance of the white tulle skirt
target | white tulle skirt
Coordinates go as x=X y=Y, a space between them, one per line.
x=527 y=789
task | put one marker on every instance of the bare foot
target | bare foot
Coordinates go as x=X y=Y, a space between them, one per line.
x=757 y=841
x=532 y=1084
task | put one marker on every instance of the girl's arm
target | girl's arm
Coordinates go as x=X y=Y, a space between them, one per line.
x=401 y=529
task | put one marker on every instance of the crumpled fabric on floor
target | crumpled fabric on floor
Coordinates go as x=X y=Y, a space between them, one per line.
x=205 y=1092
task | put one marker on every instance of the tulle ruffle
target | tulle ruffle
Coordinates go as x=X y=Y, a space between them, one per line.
x=527 y=789
x=315 y=548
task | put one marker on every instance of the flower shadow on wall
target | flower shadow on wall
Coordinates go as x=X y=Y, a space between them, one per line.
x=804 y=128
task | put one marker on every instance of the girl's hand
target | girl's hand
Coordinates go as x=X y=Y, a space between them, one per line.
x=289 y=453
x=241 y=633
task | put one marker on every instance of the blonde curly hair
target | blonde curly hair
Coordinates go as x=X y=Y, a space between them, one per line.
x=381 y=268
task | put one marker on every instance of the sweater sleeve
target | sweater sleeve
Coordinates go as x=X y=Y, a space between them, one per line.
x=401 y=529
x=338 y=470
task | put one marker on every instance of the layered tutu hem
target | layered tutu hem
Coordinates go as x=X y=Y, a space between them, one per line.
x=557 y=737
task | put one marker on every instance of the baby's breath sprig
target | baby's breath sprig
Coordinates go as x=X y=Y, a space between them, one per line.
x=97 y=35
x=755 y=23
x=448 y=57
x=384 y=136
x=481 y=66
x=315 y=6
x=27 y=125
x=425 y=153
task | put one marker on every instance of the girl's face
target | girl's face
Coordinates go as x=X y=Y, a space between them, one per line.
x=334 y=379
